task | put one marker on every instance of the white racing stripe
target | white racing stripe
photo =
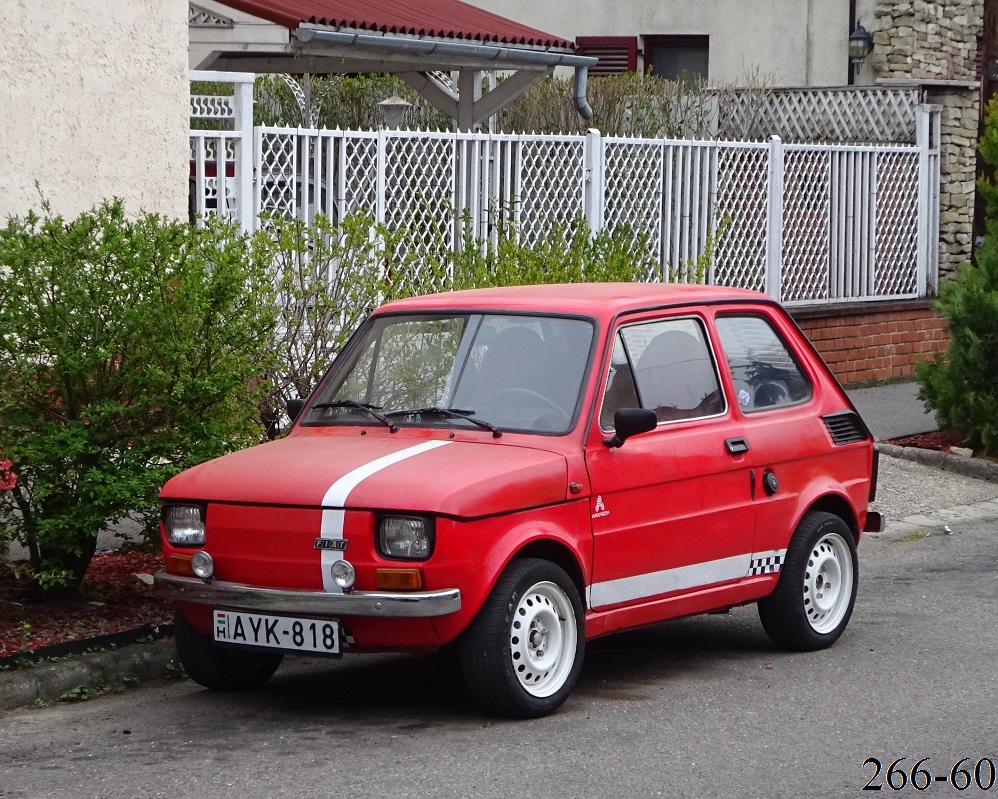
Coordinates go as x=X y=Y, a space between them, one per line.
x=682 y=578
x=336 y=495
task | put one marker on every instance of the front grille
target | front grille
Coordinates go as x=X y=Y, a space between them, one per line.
x=845 y=427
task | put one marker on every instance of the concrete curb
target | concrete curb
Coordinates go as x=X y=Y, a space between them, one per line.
x=49 y=681
x=958 y=464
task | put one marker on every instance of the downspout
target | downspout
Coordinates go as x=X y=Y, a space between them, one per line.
x=515 y=56
x=579 y=95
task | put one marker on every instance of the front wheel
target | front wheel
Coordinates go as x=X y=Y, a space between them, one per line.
x=221 y=669
x=816 y=591
x=522 y=654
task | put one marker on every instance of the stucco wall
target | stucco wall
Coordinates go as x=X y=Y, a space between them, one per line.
x=94 y=104
x=795 y=42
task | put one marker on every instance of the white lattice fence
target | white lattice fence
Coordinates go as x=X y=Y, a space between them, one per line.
x=634 y=187
x=867 y=114
x=743 y=208
x=549 y=184
x=806 y=223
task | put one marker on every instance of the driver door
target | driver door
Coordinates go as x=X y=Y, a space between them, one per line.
x=672 y=510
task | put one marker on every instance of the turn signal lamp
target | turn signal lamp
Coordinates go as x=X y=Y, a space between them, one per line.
x=398 y=579
x=178 y=563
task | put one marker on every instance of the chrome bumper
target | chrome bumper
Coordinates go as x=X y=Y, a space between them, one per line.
x=418 y=604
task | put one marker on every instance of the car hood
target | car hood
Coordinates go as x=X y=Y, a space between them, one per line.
x=457 y=478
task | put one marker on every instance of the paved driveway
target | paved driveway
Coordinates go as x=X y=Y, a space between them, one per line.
x=700 y=707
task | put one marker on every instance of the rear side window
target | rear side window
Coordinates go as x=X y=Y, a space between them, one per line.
x=765 y=374
x=665 y=366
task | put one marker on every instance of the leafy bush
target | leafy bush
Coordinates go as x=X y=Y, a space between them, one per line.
x=326 y=280
x=962 y=386
x=129 y=350
x=565 y=254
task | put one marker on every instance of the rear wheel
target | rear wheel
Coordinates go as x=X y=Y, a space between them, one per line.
x=221 y=669
x=814 y=597
x=522 y=654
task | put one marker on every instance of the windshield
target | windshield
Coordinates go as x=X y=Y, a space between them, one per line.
x=503 y=371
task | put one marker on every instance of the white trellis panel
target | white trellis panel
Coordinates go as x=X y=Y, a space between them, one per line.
x=862 y=114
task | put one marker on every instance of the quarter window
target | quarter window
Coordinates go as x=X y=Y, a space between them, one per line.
x=764 y=372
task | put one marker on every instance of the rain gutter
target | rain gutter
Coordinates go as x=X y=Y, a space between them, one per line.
x=499 y=54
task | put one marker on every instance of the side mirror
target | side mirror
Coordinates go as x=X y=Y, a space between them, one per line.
x=629 y=422
x=295 y=407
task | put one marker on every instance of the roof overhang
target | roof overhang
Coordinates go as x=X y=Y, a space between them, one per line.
x=224 y=38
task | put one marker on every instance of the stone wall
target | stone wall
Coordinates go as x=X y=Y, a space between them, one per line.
x=929 y=42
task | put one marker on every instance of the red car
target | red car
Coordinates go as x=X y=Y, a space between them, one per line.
x=519 y=470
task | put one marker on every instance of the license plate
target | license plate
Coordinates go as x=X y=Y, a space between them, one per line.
x=276 y=632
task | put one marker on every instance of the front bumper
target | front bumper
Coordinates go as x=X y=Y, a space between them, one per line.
x=417 y=604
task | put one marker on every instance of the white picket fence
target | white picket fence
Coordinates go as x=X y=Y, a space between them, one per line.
x=805 y=223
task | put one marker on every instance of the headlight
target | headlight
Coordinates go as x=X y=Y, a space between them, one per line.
x=184 y=525
x=405 y=537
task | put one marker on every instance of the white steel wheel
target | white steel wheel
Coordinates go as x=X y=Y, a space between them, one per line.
x=542 y=639
x=815 y=594
x=828 y=582
x=522 y=653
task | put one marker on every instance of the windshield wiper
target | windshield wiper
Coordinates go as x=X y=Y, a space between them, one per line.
x=361 y=406
x=450 y=413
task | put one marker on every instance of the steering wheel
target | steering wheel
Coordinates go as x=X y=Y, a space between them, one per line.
x=506 y=396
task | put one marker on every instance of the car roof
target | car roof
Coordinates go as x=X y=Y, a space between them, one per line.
x=600 y=300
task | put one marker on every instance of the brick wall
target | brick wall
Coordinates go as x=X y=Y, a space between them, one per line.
x=876 y=341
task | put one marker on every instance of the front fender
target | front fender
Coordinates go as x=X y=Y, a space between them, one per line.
x=470 y=555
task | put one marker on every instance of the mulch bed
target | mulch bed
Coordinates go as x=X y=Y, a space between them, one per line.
x=112 y=601
x=939 y=441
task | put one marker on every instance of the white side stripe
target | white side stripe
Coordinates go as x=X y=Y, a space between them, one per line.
x=336 y=495
x=696 y=575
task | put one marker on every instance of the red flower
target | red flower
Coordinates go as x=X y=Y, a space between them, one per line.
x=7 y=478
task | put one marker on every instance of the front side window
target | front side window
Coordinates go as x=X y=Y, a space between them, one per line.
x=665 y=366
x=765 y=374
x=512 y=372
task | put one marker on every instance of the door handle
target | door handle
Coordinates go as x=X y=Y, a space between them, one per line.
x=736 y=446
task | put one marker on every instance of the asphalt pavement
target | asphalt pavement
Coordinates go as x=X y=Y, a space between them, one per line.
x=919 y=492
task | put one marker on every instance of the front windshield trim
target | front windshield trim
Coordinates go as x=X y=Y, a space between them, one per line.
x=361 y=338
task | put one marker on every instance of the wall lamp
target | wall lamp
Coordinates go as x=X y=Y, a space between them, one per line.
x=860 y=45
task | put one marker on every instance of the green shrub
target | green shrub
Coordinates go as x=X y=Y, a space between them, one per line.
x=564 y=254
x=129 y=350
x=962 y=386
x=326 y=280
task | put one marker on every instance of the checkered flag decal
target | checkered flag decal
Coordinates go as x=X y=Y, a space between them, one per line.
x=767 y=563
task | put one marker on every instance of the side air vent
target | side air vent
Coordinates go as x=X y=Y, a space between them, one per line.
x=845 y=427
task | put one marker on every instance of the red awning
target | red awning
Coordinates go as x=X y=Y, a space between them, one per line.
x=450 y=19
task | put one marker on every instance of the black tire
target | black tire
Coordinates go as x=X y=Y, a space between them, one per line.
x=533 y=618
x=218 y=668
x=816 y=592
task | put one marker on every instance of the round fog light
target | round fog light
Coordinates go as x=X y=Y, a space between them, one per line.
x=203 y=565
x=343 y=574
